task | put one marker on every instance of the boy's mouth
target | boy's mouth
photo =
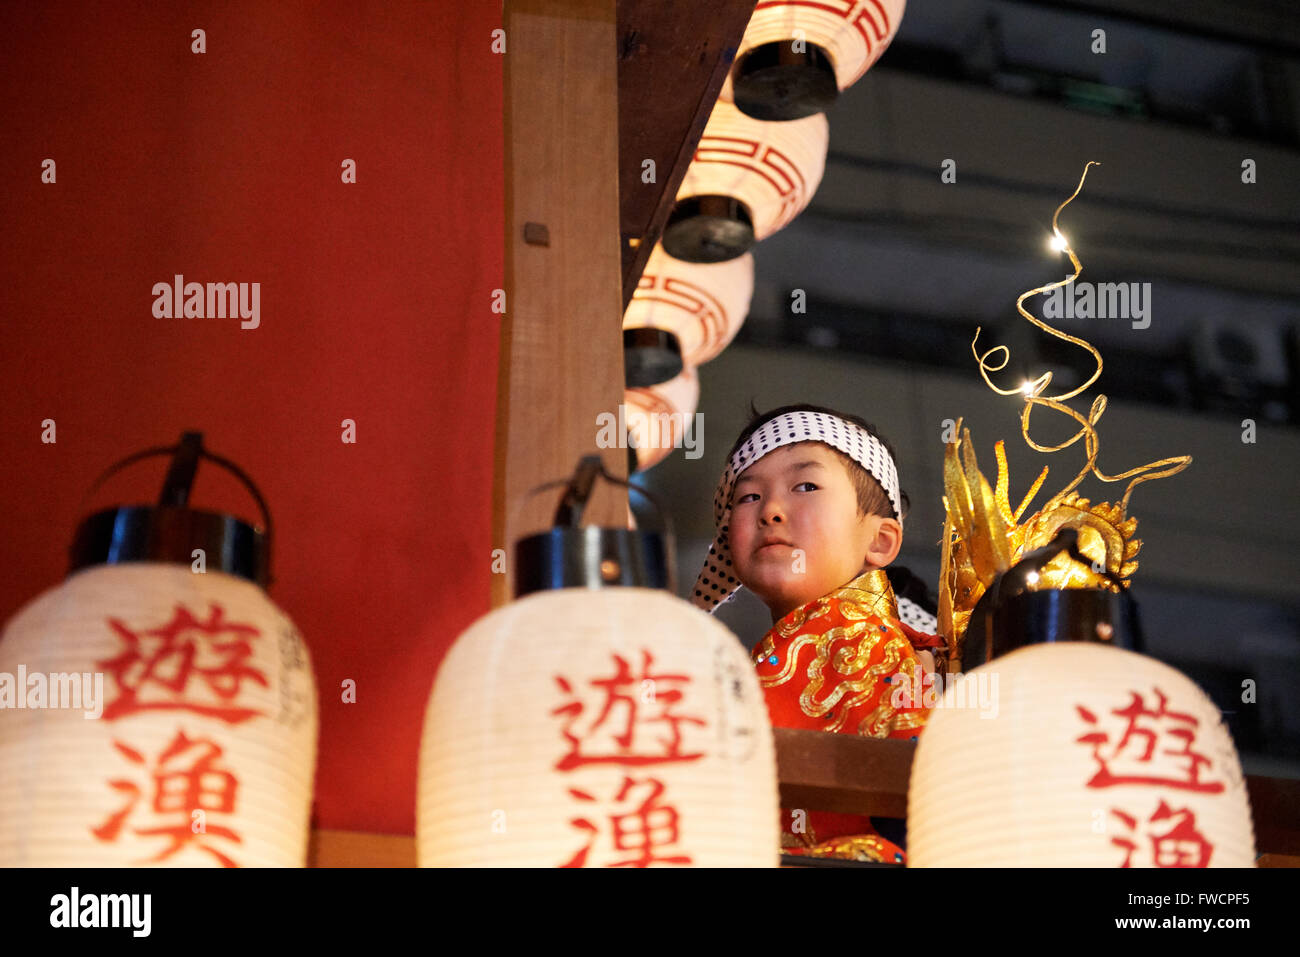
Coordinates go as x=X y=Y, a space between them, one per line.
x=772 y=544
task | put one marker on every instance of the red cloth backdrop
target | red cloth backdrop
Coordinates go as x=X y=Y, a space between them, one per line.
x=376 y=299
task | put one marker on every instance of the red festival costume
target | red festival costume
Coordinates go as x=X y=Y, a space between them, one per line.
x=832 y=665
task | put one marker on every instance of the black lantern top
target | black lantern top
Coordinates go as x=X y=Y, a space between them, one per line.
x=171 y=531
x=1009 y=615
x=779 y=82
x=573 y=556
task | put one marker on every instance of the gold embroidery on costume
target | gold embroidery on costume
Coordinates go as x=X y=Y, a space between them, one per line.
x=867 y=594
x=870 y=590
x=796 y=619
x=855 y=847
x=859 y=654
x=864 y=603
x=910 y=719
x=789 y=663
x=850 y=661
x=885 y=717
x=863 y=687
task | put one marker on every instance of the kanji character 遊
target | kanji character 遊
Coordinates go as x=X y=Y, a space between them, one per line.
x=618 y=742
x=1130 y=759
x=154 y=672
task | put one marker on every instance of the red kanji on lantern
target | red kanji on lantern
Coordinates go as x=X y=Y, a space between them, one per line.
x=648 y=826
x=644 y=704
x=184 y=665
x=186 y=778
x=1146 y=734
x=1178 y=845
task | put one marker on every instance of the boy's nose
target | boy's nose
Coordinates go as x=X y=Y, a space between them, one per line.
x=771 y=514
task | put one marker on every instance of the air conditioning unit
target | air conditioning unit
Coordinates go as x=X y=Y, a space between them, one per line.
x=1237 y=358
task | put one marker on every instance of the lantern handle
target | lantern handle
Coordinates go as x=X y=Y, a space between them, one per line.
x=180 y=475
x=1065 y=540
x=1014 y=581
x=578 y=492
x=574 y=501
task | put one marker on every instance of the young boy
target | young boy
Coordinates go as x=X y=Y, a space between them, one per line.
x=808 y=514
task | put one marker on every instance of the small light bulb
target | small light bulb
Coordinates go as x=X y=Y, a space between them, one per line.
x=1059 y=243
x=1027 y=388
x=1032 y=578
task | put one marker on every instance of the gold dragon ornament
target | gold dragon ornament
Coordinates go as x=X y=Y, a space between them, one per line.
x=981 y=537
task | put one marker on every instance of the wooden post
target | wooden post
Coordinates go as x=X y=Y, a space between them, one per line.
x=561 y=360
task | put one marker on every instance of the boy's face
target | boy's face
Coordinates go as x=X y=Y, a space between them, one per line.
x=795 y=531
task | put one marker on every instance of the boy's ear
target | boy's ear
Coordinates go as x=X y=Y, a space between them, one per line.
x=884 y=548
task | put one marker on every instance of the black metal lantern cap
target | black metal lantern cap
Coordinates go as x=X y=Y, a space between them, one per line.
x=156 y=533
x=589 y=557
x=1008 y=617
x=572 y=556
x=773 y=82
x=171 y=531
x=650 y=356
x=708 y=229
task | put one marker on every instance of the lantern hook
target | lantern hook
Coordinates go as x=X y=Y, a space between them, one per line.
x=180 y=474
x=578 y=492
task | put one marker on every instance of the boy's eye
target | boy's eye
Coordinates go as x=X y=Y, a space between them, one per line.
x=753 y=496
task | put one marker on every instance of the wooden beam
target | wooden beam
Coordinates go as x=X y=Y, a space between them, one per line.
x=852 y=775
x=561 y=359
x=1275 y=805
x=843 y=772
x=360 y=849
x=672 y=60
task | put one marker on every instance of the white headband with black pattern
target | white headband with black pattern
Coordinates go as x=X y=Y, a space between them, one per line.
x=717 y=582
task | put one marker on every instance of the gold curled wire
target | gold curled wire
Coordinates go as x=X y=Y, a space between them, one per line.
x=1033 y=391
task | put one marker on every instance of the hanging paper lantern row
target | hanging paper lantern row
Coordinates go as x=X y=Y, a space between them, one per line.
x=1077 y=755
x=703 y=305
x=659 y=417
x=747 y=180
x=205 y=751
x=796 y=54
x=613 y=727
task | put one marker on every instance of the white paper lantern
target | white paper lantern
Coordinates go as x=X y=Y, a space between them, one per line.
x=852 y=33
x=660 y=418
x=597 y=727
x=1077 y=754
x=773 y=168
x=205 y=751
x=702 y=304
